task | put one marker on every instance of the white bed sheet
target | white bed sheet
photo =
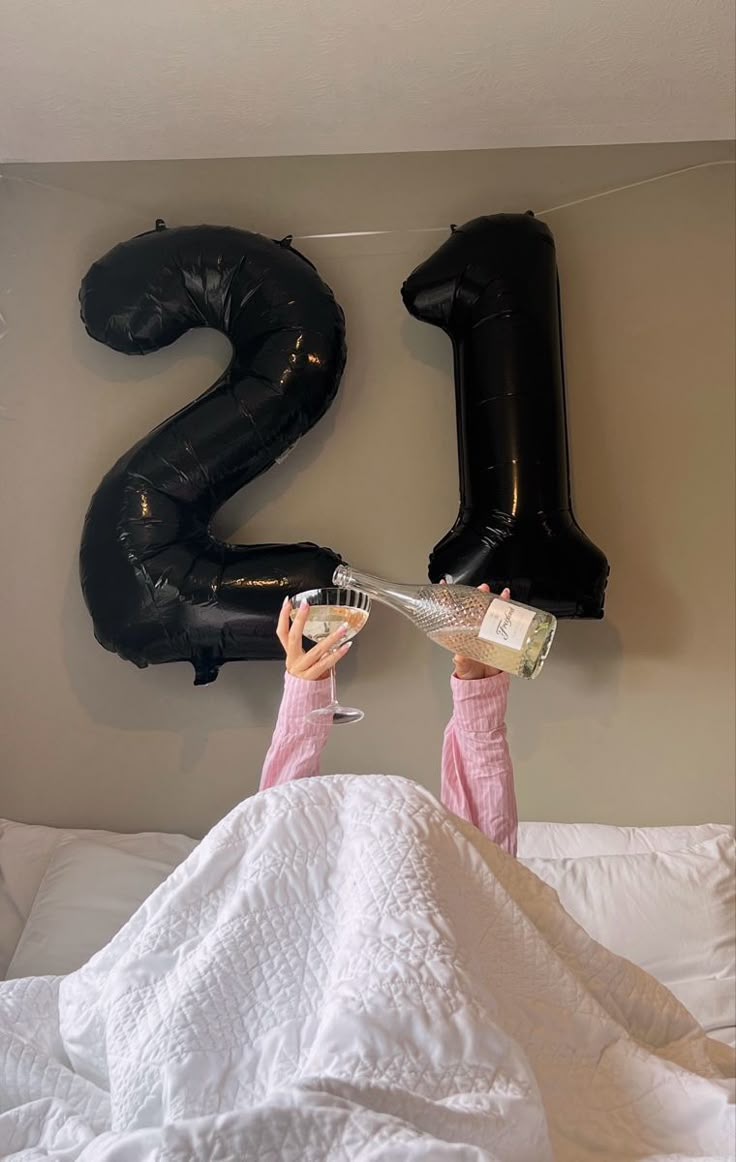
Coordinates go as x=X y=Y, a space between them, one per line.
x=342 y=969
x=67 y=927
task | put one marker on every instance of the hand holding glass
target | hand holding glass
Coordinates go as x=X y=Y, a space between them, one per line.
x=329 y=610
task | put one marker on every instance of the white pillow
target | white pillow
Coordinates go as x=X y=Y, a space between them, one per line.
x=88 y=892
x=26 y=850
x=672 y=913
x=11 y=926
x=570 y=840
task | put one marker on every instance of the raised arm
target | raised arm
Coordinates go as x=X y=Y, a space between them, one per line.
x=297 y=742
x=477 y=775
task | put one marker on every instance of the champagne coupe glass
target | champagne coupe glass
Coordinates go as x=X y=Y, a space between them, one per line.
x=328 y=610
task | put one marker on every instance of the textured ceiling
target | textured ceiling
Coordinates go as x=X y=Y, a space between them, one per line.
x=91 y=80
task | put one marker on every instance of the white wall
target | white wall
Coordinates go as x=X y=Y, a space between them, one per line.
x=632 y=718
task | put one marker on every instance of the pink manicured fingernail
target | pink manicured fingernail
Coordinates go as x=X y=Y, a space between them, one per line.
x=304 y=605
x=346 y=647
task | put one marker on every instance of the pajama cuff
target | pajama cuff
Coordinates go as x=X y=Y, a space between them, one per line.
x=480 y=705
x=299 y=698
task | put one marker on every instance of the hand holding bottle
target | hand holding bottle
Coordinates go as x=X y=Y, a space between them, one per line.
x=495 y=631
x=467 y=669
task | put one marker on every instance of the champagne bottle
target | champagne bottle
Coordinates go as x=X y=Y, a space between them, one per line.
x=504 y=634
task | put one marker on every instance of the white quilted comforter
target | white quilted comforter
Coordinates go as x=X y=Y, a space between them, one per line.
x=342 y=970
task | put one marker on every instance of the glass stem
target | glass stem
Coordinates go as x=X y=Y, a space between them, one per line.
x=333 y=687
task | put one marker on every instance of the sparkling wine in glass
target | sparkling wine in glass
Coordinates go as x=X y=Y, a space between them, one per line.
x=328 y=610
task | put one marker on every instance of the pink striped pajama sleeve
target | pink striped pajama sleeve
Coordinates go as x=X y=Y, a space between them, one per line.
x=477 y=776
x=297 y=743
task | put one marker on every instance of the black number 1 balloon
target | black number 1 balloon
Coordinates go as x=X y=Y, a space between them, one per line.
x=492 y=286
x=159 y=586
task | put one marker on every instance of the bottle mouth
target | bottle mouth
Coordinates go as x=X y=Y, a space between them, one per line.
x=341 y=577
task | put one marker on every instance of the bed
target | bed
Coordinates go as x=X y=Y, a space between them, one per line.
x=663 y=897
x=342 y=969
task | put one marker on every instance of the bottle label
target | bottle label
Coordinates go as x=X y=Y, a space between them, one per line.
x=506 y=624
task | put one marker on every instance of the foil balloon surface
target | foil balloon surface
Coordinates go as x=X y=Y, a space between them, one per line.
x=159 y=586
x=493 y=288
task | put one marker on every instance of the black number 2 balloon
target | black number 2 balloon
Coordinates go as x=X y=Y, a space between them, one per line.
x=159 y=586
x=492 y=286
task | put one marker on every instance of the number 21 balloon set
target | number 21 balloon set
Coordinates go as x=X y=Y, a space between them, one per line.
x=161 y=588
